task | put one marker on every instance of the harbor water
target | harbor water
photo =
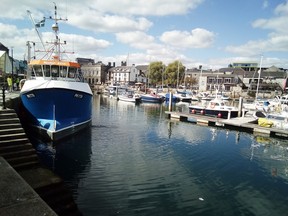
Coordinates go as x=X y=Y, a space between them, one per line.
x=135 y=161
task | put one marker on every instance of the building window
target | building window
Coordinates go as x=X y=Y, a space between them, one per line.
x=227 y=80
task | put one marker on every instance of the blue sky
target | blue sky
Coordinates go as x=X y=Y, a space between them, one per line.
x=212 y=33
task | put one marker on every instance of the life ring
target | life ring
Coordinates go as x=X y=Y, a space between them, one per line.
x=212 y=105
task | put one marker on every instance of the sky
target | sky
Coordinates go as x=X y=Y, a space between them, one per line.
x=211 y=33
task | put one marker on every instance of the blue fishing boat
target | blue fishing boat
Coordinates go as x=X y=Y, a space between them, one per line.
x=55 y=99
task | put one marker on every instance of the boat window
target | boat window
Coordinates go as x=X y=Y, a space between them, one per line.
x=55 y=71
x=63 y=71
x=46 y=69
x=37 y=70
x=72 y=72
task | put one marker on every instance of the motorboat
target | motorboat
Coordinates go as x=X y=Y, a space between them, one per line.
x=283 y=99
x=183 y=97
x=174 y=98
x=205 y=96
x=216 y=108
x=130 y=96
x=152 y=98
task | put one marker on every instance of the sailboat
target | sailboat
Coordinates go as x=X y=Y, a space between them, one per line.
x=258 y=104
x=56 y=101
x=181 y=95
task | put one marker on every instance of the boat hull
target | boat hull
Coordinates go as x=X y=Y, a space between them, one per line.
x=57 y=112
x=151 y=99
x=129 y=99
x=219 y=113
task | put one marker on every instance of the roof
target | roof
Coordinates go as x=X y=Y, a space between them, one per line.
x=2 y=53
x=54 y=62
x=142 y=67
x=273 y=69
x=121 y=69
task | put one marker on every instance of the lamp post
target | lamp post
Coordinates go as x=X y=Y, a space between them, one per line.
x=12 y=67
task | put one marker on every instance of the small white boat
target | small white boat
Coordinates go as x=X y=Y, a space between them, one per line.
x=183 y=97
x=130 y=96
x=275 y=120
x=216 y=108
x=205 y=96
x=283 y=99
x=222 y=96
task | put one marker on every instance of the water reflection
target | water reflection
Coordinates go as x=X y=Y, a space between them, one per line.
x=69 y=158
x=135 y=161
x=273 y=154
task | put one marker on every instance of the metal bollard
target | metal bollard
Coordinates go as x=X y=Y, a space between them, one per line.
x=3 y=97
x=170 y=101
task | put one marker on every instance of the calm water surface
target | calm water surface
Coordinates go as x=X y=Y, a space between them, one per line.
x=135 y=161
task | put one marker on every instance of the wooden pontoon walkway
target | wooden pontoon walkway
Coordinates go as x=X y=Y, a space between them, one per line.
x=246 y=123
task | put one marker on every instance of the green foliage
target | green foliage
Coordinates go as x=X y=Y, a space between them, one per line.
x=191 y=81
x=173 y=74
x=155 y=72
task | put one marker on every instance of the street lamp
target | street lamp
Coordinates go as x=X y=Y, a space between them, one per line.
x=12 y=66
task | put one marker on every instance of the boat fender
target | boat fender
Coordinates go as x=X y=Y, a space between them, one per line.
x=21 y=83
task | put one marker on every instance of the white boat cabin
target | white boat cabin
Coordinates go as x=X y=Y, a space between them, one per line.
x=54 y=70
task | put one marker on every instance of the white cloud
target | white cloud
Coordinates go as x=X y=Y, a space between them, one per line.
x=134 y=37
x=197 y=38
x=277 y=40
x=144 y=7
x=109 y=23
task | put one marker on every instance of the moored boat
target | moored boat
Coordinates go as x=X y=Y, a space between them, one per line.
x=174 y=98
x=130 y=96
x=216 y=108
x=183 y=97
x=152 y=98
x=55 y=99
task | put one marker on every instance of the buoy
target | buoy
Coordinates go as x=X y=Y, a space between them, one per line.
x=219 y=115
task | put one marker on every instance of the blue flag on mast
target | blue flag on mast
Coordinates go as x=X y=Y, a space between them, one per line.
x=40 y=24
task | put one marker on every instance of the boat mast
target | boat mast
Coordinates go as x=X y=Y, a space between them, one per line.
x=55 y=28
x=177 y=76
x=200 y=78
x=259 y=76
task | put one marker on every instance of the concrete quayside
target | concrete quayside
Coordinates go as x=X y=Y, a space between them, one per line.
x=21 y=167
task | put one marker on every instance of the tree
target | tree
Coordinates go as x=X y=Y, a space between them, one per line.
x=155 y=72
x=174 y=73
x=191 y=81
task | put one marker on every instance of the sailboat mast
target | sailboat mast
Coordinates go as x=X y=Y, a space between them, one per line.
x=178 y=75
x=259 y=76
